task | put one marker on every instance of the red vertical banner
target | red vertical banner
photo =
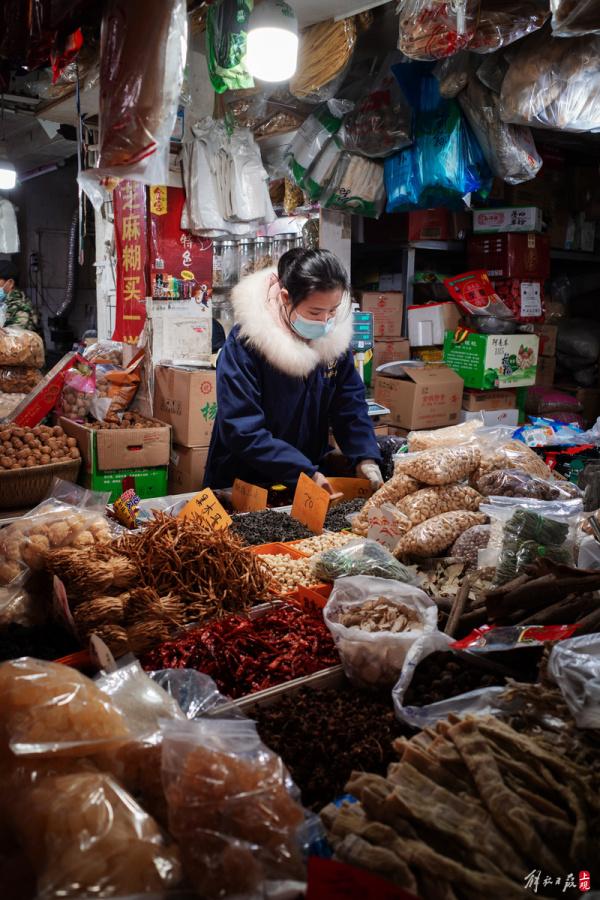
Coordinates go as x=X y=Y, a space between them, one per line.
x=180 y=263
x=131 y=241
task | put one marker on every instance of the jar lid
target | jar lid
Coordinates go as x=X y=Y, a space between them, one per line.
x=227 y=243
x=245 y=242
x=286 y=236
x=263 y=240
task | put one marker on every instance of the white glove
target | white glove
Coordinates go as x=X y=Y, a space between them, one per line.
x=369 y=469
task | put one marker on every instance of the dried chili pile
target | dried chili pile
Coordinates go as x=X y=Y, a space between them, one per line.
x=323 y=736
x=245 y=655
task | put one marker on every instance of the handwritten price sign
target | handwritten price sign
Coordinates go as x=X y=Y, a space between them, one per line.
x=311 y=504
x=206 y=507
x=352 y=488
x=248 y=497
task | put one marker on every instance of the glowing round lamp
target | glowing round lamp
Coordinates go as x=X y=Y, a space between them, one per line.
x=272 y=44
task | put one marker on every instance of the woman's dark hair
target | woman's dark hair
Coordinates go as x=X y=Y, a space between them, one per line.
x=301 y=272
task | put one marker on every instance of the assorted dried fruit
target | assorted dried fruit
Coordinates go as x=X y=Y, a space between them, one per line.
x=25 y=448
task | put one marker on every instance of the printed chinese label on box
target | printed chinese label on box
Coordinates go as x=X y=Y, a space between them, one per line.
x=514 y=218
x=488 y=361
x=186 y=399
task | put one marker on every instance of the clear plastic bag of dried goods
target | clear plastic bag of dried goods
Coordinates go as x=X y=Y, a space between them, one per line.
x=553 y=83
x=86 y=836
x=77 y=392
x=437 y=534
x=143 y=53
x=470 y=542
x=19 y=606
x=499 y=451
x=381 y=122
x=441 y=465
x=360 y=558
x=312 y=154
x=451 y=436
x=575 y=666
x=502 y=22
x=514 y=483
x=110 y=352
x=324 y=54
x=453 y=74
x=435 y=29
x=509 y=150
x=433 y=501
x=356 y=186
x=374 y=623
x=575 y=17
x=19 y=347
x=398 y=486
x=231 y=809
x=19 y=379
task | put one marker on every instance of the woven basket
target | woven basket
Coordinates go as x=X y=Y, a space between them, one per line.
x=20 y=488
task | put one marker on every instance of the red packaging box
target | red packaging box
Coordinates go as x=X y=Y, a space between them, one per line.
x=525 y=299
x=523 y=256
x=43 y=398
x=419 y=225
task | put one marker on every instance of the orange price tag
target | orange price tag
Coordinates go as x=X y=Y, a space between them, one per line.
x=352 y=488
x=311 y=503
x=248 y=497
x=206 y=507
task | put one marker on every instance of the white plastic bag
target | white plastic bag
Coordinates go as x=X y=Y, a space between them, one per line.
x=575 y=666
x=375 y=658
x=313 y=141
x=9 y=233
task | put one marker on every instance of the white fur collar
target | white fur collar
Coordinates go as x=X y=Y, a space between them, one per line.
x=257 y=313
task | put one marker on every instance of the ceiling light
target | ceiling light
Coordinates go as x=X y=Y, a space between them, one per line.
x=8 y=173
x=272 y=45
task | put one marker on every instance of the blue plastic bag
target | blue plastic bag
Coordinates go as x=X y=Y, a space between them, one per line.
x=445 y=162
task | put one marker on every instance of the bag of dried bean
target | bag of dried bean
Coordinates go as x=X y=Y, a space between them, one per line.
x=435 y=535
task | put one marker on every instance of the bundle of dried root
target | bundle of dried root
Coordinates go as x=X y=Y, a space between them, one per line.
x=92 y=571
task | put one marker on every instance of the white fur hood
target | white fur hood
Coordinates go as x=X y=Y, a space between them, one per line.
x=256 y=311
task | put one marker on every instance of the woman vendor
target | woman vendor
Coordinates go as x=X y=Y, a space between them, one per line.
x=286 y=376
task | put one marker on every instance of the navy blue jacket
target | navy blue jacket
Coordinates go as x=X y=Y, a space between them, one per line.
x=271 y=426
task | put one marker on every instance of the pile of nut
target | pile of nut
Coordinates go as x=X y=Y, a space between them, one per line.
x=24 y=448
x=381 y=615
x=75 y=404
x=127 y=420
x=287 y=571
x=325 y=541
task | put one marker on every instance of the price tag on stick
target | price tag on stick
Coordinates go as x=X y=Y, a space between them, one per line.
x=206 y=507
x=248 y=497
x=311 y=503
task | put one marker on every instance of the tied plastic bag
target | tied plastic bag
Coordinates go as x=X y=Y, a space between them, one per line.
x=312 y=155
x=324 y=54
x=514 y=483
x=109 y=352
x=381 y=122
x=356 y=186
x=374 y=623
x=19 y=347
x=509 y=150
x=226 y=40
x=575 y=17
x=502 y=22
x=78 y=391
x=575 y=666
x=434 y=29
x=553 y=83
x=143 y=52
x=360 y=558
x=230 y=809
x=398 y=486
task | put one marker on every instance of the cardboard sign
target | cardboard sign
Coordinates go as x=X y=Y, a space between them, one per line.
x=102 y=655
x=248 y=497
x=352 y=488
x=384 y=526
x=206 y=507
x=311 y=503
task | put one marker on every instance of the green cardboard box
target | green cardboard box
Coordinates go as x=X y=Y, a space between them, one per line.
x=489 y=361
x=148 y=482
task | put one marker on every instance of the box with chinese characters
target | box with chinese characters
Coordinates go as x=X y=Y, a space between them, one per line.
x=424 y=397
x=489 y=361
x=185 y=397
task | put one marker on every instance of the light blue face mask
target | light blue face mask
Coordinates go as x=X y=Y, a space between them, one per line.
x=312 y=331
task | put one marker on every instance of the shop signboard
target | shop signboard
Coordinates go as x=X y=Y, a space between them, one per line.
x=130 y=212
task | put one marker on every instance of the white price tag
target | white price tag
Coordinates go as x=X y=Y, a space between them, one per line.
x=531 y=299
x=385 y=526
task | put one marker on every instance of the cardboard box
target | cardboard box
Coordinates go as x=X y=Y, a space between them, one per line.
x=478 y=401
x=510 y=218
x=146 y=482
x=428 y=225
x=40 y=402
x=548 y=335
x=546 y=370
x=106 y=450
x=428 y=354
x=186 y=469
x=390 y=351
x=428 y=324
x=487 y=361
x=524 y=256
x=492 y=417
x=387 y=312
x=428 y=397
x=186 y=399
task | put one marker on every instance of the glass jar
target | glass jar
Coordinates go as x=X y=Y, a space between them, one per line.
x=230 y=263
x=281 y=244
x=217 y=266
x=263 y=253
x=299 y=242
x=247 y=256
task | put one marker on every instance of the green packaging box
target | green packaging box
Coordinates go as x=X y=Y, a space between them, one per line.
x=148 y=482
x=489 y=361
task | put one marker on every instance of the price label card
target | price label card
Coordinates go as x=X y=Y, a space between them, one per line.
x=248 y=497
x=531 y=299
x=352 y=488
x=386 y=526
x=206 y=507
x=310 y=505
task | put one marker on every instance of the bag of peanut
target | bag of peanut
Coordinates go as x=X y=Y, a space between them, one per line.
x=435 y=535
x=434 y=501
x=392 y=491
x=443 y=465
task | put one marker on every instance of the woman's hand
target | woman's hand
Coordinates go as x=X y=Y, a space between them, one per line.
x=322 y=482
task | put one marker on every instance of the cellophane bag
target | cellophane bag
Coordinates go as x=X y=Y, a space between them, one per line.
x=554 y=83
x=440 y=465
x=509 y=150
x=514 y=483
x=231 y=809
x=356 y=186
x=116 y=387
x=433 y=501
x=502 y=22
x=325 y=51
x=397 y=487
x=20 y=347
x=77 y=393
x=437 y=534
x=19 y=379
x=575 y=666
x=571 y=18
x=453 y=74
x=375 y=658
x=109 y=352
x=312 y=147
x=451 y=436
x=18 y=606
x=143 y=54
x=435 y=29
x=360 y=558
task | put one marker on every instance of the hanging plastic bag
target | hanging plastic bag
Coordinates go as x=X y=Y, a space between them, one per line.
x=575 y=666
x=226 y=40
x=453 y=74
x=9 y=232
x=553 y=83
x=381 y=122
x=249 y=189
x=374 y=623
x=435 y=29
x=571 y=18
x=356 y=186
x=502 y=22
x=324 y=54
x=509 y=150
x=143 y=52
x=312 y=155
